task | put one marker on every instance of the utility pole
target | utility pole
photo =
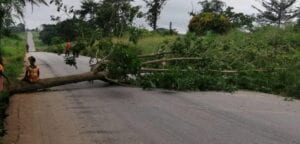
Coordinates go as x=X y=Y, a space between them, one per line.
x=171 y=28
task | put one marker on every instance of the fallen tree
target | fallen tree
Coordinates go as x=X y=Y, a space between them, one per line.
x=22 y=87
x=186 y=67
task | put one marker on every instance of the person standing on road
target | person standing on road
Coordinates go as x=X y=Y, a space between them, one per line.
x=68 y=48
x=32 y=74
x=27 y=47
x=77 y=47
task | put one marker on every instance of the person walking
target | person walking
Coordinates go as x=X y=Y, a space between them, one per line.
x=32 y=74
x=68 y=48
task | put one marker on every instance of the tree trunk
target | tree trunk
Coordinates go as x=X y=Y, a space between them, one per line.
x=155 y=55
x=22 y=87
x=171 y=59
x=155 y=21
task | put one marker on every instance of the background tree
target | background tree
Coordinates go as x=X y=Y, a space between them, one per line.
x=215 y=6
x=277 y=11
x=155 y=8
x=49 y=31
x=10 y=9
x=115 y=16
x=297 y=25
x=65 y=30
x=13 y=8
x=69 y=29
x=18 y=28
x=216 y=17
x=239 y=20
x=207 y=21
x=88 y=10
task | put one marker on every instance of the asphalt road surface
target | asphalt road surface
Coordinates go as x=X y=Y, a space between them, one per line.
x=96 y=113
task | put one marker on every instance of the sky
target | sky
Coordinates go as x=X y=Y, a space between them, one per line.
x=175 y=11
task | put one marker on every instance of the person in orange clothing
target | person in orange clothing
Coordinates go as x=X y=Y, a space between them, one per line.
x=68 y=48
x=32 y=74
x=2 y=75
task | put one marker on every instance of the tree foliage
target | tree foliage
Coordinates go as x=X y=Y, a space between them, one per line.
x=155 y=8
x=10 y=9
x=218 y=18
x=49 y=31
x=235 y=60
x=115 y=16
x=124 y=61
x=277 y=11
x=209 y=21
x=88 y=10
x=214 y=6
x=239 y=20
x=297 y=25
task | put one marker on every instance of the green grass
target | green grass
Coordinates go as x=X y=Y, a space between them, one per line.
x=40 y=46
x=149 y=44
x=13 y=50
x=146 y=44
x=13 y=53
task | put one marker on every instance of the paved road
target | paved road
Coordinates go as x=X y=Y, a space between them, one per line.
x=30 y=42
x=97 y=113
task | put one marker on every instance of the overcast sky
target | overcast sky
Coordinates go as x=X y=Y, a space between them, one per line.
x=175 y=11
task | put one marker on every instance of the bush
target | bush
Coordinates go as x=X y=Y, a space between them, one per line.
x=4 y=100
x=124 y=61
x=48 y=32
x=297 y=25
x=208 y=21
x=58 y=45
x=13 y=52
x=266 y=60
x=189 y=80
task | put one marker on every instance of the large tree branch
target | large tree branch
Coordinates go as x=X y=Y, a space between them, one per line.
x=22 y=87
x=153 y=70
x=171 y=59
x=154 y=55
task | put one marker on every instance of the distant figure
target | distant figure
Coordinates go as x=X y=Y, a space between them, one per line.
x=32 y=74
x=77 y=47
x=2 y=76
x=27 y=47
x=68 y=48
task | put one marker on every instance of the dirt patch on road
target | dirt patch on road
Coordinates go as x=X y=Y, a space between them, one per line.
x=41 y=119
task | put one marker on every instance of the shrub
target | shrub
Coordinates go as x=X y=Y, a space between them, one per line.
x=4 y=100
x=124 y=61
x=266 y=60
x=208 y=21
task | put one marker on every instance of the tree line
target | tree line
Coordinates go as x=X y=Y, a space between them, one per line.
x=116 y=17
x=216 y=54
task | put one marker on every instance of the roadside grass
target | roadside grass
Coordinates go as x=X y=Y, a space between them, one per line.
x=146 y=44
x=39 y=45
x=149 y=44
x=13 y=50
